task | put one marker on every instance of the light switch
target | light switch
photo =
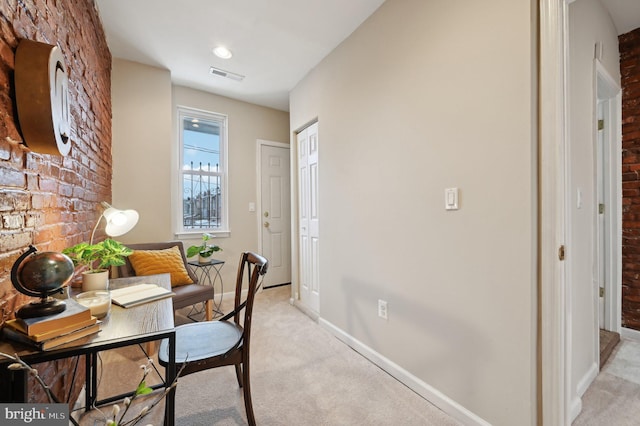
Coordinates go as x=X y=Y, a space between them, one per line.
x=252 y=207
x=451 y=198
x=579 y=198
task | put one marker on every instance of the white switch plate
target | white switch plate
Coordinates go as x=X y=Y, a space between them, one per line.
x=579 y=198
x=252 y=207
x=451 y=198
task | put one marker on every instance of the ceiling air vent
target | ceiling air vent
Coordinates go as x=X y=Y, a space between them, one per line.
x=226 y=74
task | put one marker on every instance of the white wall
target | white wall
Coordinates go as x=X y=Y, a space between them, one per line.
x=144 y=150
x=589 y=23
x=422 y=97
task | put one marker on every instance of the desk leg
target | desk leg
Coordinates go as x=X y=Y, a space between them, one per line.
x=91 y=380
x=14 y=385
x=170 y=374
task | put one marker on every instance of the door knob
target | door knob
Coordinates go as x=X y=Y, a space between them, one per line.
x=266 y=214
x=266 y=224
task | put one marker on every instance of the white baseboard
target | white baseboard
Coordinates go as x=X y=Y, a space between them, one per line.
x=428 y=392
x=631 y=334
x=305 y=310
x=575 y=408
x=581 y=388
x=230 y=295
x=587 y=379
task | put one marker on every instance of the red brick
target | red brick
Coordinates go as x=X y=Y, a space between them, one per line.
x=41 y=188
x=629 y=60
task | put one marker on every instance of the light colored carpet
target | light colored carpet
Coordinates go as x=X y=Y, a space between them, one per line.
x=614 y=396
x=300 y=375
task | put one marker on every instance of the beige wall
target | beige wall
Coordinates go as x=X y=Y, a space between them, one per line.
x=247 y=123
x=144 y=152
x=589 y=23
x=422 y=97
x=142 y=145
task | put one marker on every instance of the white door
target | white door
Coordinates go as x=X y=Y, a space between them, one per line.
x=308 y=219
x=275 y=205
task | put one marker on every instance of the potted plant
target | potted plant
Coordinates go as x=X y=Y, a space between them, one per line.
x=204 y=250
x=97 y=259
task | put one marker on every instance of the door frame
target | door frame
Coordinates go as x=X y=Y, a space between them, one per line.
x=259 y=144
x=554 y=331
x=610 y=94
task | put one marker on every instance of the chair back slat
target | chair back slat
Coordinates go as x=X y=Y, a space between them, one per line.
x=251 y=268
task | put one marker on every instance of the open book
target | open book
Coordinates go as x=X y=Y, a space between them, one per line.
x=138 y=294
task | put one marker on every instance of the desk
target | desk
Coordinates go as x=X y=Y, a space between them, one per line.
x=123 y=327
x=204 y=272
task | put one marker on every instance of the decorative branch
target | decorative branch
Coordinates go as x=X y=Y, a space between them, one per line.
x=19 y=364
x=115 y=420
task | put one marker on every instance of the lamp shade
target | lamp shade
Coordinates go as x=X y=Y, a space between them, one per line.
x=119 y=222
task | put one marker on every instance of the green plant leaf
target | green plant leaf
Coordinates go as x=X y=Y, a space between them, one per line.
x=193 y=250
x=143 y=389
x=105 y=254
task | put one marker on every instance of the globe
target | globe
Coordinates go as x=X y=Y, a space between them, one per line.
x=41 y=275
x=45 y=272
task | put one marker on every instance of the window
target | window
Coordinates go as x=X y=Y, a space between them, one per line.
x=203 y=172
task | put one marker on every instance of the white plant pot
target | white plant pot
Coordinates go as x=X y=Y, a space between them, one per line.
x=95 y=281
x=202 y=259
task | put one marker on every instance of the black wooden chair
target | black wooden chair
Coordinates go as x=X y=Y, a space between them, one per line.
x=204 y=345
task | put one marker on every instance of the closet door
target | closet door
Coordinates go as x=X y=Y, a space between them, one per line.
x=308 y=217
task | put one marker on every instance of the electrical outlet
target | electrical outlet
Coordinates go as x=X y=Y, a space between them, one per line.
x=382 y=308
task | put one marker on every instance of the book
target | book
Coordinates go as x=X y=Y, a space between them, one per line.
x=17 y=325
x=138 y=294
x=74 y=313
x=17 y=336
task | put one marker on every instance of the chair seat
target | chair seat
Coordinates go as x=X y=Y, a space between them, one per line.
x=202 y=340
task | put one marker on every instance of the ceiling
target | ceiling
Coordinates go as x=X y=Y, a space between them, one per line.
x=624 y=13
x=275 y=43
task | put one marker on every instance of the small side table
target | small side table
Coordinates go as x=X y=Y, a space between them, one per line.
x=208 y=274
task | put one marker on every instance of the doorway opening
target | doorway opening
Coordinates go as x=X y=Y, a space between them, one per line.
x=608 y=226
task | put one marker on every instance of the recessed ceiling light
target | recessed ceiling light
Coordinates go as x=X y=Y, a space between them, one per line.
x=222 y=52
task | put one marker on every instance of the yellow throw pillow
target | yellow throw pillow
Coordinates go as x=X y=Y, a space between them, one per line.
x=150 y=262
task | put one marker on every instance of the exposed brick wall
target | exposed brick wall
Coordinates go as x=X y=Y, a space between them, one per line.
x=630 y=71
x=45 y=200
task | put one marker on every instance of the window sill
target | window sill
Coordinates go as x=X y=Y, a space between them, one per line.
x=198 y=234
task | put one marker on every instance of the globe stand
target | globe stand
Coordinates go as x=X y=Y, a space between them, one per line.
x=41 y=275
x=46 y=306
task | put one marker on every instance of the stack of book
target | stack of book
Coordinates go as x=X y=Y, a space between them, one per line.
x=47 y=332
